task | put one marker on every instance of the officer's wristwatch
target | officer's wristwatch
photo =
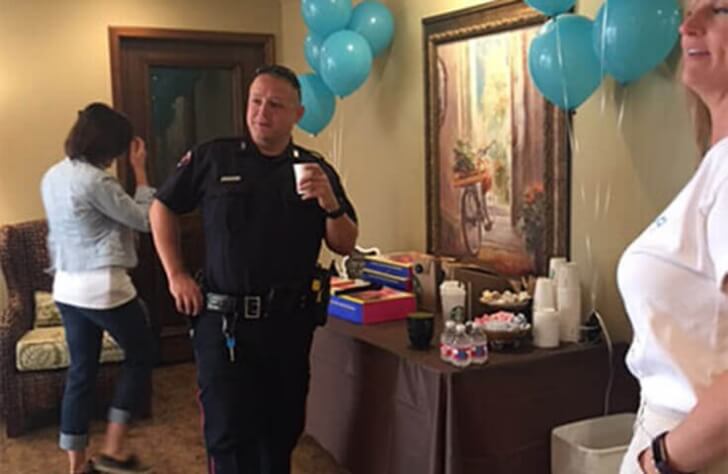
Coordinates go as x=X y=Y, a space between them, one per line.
x=659 y=455
x=336 y=213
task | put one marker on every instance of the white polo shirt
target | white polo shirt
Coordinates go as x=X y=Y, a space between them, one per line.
x=670 y=278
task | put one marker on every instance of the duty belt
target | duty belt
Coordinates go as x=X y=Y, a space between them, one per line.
x=249 y=307
x=255 y=306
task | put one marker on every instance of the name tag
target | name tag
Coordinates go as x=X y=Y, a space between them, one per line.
x=230 y=179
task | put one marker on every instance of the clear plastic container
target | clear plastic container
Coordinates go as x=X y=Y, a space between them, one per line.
x=479 y=352
x=594 y=446
x=446 y=340
x=452 y=295
x=462 y=346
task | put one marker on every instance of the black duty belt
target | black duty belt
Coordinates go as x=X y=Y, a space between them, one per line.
x=255 y=306
x=249 y=307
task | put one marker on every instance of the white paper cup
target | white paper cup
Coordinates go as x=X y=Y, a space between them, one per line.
x=555 y=264
x=546 y=328
x=543 y=294
x=568 y=276
x=302 y=171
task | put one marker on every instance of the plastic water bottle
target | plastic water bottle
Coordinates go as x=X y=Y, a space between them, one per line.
x=462 y=346
x=446 y=340
x=479 y=354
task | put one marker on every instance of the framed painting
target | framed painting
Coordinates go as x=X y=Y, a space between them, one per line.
x=497 y=151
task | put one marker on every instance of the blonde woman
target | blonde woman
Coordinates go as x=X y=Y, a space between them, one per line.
x=674 y=282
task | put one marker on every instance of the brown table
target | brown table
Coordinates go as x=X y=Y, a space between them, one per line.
x=382 y=408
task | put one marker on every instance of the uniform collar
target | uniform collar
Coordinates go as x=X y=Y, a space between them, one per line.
x=247 y=144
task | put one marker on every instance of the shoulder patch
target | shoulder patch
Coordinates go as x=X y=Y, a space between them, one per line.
x=185 y=159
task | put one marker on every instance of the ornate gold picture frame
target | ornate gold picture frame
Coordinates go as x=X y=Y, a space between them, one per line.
x=497 y=152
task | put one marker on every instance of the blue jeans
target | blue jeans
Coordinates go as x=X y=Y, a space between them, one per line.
x=127 y=324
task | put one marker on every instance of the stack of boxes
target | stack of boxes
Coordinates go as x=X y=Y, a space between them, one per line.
x=401 y=282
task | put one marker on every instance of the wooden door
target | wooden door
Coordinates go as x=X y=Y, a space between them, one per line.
x=179 y=88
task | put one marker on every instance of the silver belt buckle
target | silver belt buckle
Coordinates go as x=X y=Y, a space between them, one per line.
x=252 y=307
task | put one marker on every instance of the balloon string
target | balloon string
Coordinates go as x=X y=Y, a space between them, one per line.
x=622 y=104
x=603 y=53
x=565 y=94
x=573 y=141
x=338 y=141
x=562 y=68
x=607 y=200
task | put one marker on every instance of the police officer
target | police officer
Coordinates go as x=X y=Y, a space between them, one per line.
x=253 y=317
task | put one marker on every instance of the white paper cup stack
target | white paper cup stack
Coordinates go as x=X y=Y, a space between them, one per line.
x=568 y=295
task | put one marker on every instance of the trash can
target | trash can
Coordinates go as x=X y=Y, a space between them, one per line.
x=593 y=446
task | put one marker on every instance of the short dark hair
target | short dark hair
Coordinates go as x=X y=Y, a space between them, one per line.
x=281 y=72
x=99 y=135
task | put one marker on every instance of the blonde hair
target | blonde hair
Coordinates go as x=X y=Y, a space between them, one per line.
x=699 y=113
x=702 y=123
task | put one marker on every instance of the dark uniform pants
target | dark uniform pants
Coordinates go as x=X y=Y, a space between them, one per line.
x=253 y=409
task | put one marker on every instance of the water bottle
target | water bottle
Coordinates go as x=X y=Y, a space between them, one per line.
x=479 y=354
x=446 y=340
x=462 y=346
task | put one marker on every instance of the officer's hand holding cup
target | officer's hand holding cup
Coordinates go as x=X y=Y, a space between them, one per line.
x=304 y=173
x=313 y=183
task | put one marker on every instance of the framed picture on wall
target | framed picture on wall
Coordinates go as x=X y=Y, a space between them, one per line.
x=497 y=151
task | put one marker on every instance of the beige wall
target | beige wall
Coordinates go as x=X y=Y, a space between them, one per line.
x=623 y=172
x=54 y=59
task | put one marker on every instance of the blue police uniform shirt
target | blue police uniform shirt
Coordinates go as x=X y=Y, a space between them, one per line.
x=259 y=233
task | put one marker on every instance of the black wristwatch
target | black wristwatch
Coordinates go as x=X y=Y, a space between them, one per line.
x=336 y=213
x=659 y=455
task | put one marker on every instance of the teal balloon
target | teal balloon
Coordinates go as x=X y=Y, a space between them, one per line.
x=312 y=50
x=632 y=37
x=326 y=16
x=346 y=60
x=562 y=63
x=554 y=7
x=375 y=23
x=318 y=101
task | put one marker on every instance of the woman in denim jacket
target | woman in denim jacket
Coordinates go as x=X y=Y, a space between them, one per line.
x=91 y=240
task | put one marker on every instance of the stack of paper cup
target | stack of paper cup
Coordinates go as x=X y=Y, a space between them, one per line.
x=546 y=328
x=543 y=294
x=568 y=293
x=555 y=264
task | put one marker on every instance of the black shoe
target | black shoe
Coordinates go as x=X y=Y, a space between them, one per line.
x=89 y=468
x=129 y=465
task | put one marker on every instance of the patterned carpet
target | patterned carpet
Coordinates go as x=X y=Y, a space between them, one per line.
x=170 y=441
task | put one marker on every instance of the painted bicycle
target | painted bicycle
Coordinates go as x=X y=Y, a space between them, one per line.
x=475 y=183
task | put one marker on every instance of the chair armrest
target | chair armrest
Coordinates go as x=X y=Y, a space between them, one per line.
x=14 y=322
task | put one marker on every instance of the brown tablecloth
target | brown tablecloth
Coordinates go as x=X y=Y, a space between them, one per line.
x=382 y=408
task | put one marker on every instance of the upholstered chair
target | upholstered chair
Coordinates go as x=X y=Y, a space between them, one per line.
x=33 y=355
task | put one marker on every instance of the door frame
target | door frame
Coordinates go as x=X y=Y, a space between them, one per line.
x=118 y=34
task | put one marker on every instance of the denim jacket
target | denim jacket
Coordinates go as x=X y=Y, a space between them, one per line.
x=91 y=219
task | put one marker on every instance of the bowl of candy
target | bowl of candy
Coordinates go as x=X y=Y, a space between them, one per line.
x=512 y=301
x=505 y=330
